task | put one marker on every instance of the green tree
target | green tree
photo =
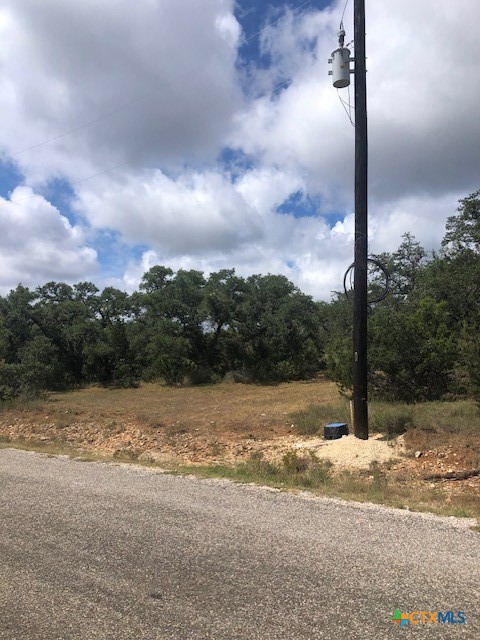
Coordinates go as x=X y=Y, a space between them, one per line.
x=463 y=230
x=337 y=324
x=170 y=310
x=412 y=352
x=28 y=359
x=277 y=331
x=68 y=322
x=404 y=266
x=222 y=294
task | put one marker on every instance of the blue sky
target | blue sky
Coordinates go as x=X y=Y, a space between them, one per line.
x=208 y=136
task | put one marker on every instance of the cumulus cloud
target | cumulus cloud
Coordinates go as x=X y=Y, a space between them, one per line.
x=161 y=91
x=156 y=81
x=306 y=251
x=195 y=213
x=38 y=244
x=423 y=95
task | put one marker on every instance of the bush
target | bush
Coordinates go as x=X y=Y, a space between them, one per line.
x=392 y=420
x=305 y=470
x=239 y=376
x=202 y=375
x=295 y=470
x=16 y=382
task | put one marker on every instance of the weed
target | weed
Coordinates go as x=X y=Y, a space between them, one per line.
x=174 y=430
x=215 y=449
x=391 y=419
x=22 y=403
x=151 y=421
x=295 y=464
x=311 y=420
x=126 y=455
x=62 y=422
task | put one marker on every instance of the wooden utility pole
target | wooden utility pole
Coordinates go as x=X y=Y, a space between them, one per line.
x=360 y=304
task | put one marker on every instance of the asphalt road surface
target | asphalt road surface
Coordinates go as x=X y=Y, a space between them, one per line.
x=93 y=550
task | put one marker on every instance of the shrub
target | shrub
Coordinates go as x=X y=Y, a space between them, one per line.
x=305 y=470
x=392 y=420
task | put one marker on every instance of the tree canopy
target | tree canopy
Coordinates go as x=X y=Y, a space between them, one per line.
x=424 y=338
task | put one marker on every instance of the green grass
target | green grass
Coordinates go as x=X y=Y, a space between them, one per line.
x=370 y=487
x=295 y=472
x=391 y=419
x=310 y=421
x=428 y=424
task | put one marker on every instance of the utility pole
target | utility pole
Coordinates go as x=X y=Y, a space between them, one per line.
x=360 y=303
x=340 y=61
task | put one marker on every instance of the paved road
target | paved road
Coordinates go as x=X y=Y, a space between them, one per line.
x=91 y=550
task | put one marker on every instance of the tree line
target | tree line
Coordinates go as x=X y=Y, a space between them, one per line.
x=424 y=338
x=177 y=326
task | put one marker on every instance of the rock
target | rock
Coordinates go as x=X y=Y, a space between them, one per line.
x=418 y=454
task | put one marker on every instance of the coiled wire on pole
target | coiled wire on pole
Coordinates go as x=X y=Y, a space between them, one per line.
x=348 y=277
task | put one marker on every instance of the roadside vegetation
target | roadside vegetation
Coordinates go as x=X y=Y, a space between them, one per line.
x=297 y=472
x=251 y=358
x=197 y=423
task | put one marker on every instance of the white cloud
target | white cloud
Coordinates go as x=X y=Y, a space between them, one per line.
x=166 y=77
x=423 y=94
x=38 y=244
x=196 y=213
x=267 y=188
x=425 y=215
x=164 y=72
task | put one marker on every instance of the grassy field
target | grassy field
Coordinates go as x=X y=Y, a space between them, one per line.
x=223 y=430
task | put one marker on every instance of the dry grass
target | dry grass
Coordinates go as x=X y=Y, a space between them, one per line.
x=226 y=407
x=197 y=424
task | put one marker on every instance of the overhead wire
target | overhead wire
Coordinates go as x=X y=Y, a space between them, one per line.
x=254 y=35
x=128 y=162
x=146 y=95
x=344 y=10
x=347 y=107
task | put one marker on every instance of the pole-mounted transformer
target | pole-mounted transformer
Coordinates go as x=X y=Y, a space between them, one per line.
x=340 y=62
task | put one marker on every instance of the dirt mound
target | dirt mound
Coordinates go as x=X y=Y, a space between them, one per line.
x=351 y=452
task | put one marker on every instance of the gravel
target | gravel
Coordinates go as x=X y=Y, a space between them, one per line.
x=95 y=550
x=351 y=452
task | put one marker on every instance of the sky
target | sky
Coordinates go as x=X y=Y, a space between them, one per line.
x=206 y=134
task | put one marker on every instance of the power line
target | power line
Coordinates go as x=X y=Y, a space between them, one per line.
x=254 y=35
x=146 y=95
x=344 y=9
x=347 y=106
x=71 y=182
x=126 y=163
